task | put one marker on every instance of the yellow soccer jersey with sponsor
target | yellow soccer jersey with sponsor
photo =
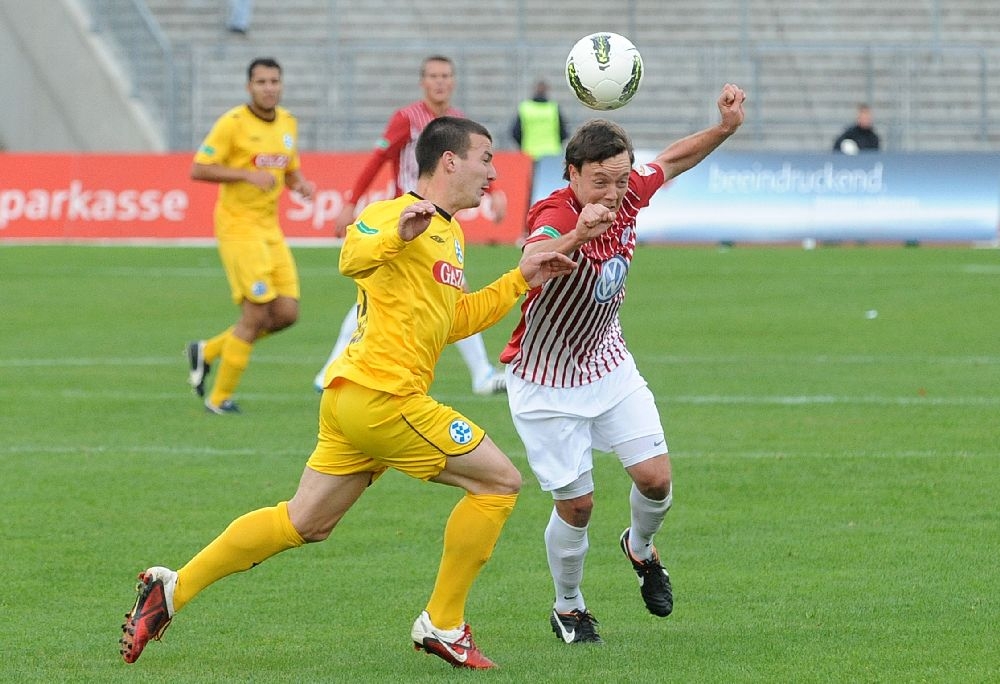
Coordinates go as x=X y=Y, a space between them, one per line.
x=240 y=139
x=410 y=298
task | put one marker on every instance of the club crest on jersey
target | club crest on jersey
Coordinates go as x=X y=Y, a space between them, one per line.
x=460 y=431
x=626 y=235
x=611 y=279
x=259 y=288
x=459 y=254
x=289 y=141
x=450 y=275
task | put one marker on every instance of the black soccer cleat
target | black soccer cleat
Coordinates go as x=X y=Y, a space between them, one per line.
x=575 y=627
x=197 y=366
x=654 y=582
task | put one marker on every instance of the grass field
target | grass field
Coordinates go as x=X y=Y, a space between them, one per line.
x=836 y=479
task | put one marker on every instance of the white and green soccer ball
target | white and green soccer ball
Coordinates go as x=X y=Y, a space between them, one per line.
x=604 y=70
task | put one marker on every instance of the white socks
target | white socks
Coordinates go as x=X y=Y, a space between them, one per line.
x=473 y=351
x=647 y=519
x=566 y=547
x=347 y=329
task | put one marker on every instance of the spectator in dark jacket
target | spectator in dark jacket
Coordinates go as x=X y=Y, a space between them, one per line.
x=859 y=137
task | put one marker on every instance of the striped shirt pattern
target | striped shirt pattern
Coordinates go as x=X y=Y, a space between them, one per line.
x=569 y=333
x=398 y=145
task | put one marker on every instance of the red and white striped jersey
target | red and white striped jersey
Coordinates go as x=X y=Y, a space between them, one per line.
x=398 y=145
x=569 y=333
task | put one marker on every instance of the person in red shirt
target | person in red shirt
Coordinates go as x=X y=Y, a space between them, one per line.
x=572 y=384
x=396 y=146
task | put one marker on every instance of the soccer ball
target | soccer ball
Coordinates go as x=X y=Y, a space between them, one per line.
x=604 y=70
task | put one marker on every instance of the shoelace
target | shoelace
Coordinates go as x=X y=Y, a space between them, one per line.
x=586 y=621
x=465 y=640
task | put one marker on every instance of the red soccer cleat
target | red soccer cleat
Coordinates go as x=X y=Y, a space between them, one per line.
x=151 y=614
x=454 y=646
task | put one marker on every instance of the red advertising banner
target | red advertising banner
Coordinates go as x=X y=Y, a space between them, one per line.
x=151 y=197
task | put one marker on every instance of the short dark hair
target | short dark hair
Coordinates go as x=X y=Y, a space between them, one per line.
x=268 y=62
x=446 y=134
x=595 y=141
x=435 y=58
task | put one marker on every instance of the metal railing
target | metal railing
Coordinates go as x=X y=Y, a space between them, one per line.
x=800 y=96
x=926 y=96
x=146 y=56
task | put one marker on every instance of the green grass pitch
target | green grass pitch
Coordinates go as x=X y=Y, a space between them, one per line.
x=834 y=423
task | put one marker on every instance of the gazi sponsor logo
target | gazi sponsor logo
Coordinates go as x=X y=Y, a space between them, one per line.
x=448 y=274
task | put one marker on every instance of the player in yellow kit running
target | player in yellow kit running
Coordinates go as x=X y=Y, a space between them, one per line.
x=407 y=258
x=252 y=153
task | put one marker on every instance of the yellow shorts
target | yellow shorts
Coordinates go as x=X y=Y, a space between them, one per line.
x=259 y=271
x=364 y=430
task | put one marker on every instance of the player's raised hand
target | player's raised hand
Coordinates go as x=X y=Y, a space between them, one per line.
x=731 y=106
x=414 y=219
x=593 y=221
x=540 y=267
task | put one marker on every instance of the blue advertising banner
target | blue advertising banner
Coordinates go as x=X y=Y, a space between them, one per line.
x=774 y=197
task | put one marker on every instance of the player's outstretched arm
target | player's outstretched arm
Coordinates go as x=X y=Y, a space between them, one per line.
x=481 y=309
x=689 y=151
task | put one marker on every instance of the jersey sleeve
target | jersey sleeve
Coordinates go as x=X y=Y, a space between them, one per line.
x=479 y=310
x=646 y=179
x=397 y=133
x=366 y=248
x=216 y=146
x=294 y=163
x=550 y=222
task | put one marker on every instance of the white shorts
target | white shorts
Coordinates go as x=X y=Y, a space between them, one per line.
x=561 y=426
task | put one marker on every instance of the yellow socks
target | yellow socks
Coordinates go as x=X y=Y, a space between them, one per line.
x=469 y=537
x=248 y=541
x=213 y=346
x=235 y=359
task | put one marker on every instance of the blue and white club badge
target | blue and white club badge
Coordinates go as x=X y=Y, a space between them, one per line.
x=289 y=141
x=259 y=288
x=611 y=280
x=460 y=431
x=458 y=253
x=626 y=236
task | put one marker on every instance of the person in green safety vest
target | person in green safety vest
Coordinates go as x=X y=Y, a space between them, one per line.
x=539 y=127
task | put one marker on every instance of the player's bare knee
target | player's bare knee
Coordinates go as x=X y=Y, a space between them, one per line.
x=283 y=312
x=576 y=511
x=283 y=318
x=508 y=481
x=656 y=488
x=313 y=531
x=279 y=324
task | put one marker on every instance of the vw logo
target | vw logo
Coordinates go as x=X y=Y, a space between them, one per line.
x=611 y=279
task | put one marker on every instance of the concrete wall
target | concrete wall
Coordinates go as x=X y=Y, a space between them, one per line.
x=62 y=91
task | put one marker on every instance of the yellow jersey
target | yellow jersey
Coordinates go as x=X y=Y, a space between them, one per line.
x=411 y=301
x=240 y=139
